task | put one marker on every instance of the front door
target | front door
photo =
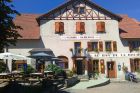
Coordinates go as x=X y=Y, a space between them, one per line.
x=79 y=67
x=111 y=69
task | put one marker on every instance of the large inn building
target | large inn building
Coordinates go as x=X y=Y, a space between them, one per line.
x=86 y=36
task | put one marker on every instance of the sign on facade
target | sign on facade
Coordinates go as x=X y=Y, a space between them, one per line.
x=80 y=37
x=114 y=55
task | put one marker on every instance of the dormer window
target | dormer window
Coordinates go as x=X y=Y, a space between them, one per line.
x=79 y=10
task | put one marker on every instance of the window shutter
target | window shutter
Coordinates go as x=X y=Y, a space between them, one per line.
x=56 y=27
x=132 y=65
x=82 y=27
x=102 y=66
x=89 y=46
x=77 y=27
x=100 y=26
x=100 y=46
x=61 y=27
x=114 y=46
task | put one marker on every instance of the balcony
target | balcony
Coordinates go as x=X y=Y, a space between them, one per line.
x=78 y=52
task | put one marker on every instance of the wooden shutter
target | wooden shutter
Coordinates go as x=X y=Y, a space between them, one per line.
x=114 y=46
x=82 y=27
x=77 y=27
x=102 y=66
x=89 y=46
x=100 y=26
x=132 y=65
x=56 y=27
x=100 y=46
x=61 y=27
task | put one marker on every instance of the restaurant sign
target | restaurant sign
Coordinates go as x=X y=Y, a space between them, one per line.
x=114 y=55
x=80 y=37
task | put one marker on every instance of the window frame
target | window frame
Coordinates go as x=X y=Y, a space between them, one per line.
x=106 y=46
x=101 y=27
x=59 y=28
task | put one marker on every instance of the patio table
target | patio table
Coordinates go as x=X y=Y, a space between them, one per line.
x=36 y=75
x=4 y=75
x=49 y=74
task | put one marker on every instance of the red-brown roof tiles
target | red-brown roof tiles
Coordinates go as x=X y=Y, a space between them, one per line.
x=29 y=25
x=130 y=27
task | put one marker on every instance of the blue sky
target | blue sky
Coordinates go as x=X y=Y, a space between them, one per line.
x=129 y=7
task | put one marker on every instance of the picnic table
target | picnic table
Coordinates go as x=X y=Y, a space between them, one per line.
x=4 y=75
x=49 y=74
x=36 y=75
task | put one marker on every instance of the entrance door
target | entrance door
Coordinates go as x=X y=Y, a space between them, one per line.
x=111 y=69
x=79 y=67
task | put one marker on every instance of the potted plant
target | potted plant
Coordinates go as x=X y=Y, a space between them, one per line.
x=96 y=50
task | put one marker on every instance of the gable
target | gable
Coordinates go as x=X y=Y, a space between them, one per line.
x=91 y=12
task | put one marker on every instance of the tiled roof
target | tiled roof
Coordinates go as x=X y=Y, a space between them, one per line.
x=129 y=27
x=29 y=25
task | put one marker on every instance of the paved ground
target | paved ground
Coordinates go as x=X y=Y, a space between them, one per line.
x=125 y=87
x=84 y=85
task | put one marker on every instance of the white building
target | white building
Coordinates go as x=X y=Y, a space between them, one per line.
x=88 y=37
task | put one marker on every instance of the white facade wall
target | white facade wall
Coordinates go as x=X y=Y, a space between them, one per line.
x=61 y=47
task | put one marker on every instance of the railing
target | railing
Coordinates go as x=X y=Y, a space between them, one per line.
x=79 y=52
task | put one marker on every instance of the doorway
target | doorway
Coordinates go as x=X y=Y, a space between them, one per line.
x=79 y=64
x=111 y=69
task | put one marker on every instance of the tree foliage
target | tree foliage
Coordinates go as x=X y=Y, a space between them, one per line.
x=8 y=30
x=2 y=66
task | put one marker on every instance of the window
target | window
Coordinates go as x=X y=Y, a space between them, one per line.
x=82 y=10
x=111 y=46
x=59 y=27
x=135 y=64
x=134 y=45
x=79 y=10
x=77 y=47
x=95 y=46
x=100 y=27
x=80 y=27
x=95 y=66
x=108 y=46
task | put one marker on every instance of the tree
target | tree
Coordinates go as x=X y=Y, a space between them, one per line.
x=2 y=66
x=8 y=30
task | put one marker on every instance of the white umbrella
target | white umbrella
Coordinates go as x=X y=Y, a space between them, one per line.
x=11 y=56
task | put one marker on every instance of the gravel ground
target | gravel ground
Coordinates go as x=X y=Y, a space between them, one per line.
x=125 y=87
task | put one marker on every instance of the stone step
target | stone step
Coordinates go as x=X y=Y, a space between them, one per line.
x=84 y=80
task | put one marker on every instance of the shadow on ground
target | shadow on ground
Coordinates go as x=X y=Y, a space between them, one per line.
x=16 y=88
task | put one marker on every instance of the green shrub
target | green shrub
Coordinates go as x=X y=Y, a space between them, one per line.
x=2 y=66
x=54 y=68
x=29 y=69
